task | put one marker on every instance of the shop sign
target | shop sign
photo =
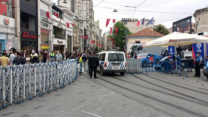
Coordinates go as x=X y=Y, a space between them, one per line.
x=26 y=35
x=199 y=47
x=44 y=31
x=44 y=46
x=171 y=50
x=2 y=36
x=6 y=21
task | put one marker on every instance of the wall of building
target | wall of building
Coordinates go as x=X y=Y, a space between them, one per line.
x=132 y=25
x=201 y=20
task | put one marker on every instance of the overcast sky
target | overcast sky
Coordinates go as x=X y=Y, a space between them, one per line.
x=185 y=7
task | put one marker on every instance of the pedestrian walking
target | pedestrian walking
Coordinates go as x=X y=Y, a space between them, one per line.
x=23 y=54
x=12 y=56
x=198 y=64
x=40 y=56
x=4 y=60
x=52 y=56
x=5 y=53
x=93 y=63
x=34 y=57
x=45 y=56
x=135 y=56
x=73 y=56
x=19 y=60
x=58 y=56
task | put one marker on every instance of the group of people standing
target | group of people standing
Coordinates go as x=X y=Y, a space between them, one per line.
x=13 y=58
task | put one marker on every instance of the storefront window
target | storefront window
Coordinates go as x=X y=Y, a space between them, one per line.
x=58 y=32
x=28 y=46
x=44 y=36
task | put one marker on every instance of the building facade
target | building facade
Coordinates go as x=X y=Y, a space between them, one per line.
x=143 y=36
x=29 y=31
x=201 y=20
x=132 y=24
x=45 y=26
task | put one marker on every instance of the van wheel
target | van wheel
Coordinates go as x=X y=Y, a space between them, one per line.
x=101 y=72
x=122 y=73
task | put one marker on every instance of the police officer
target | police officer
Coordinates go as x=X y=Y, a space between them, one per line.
x=197 y=64
x=52 y=56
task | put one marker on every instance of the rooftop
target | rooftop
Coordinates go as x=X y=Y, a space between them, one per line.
x=146 y=33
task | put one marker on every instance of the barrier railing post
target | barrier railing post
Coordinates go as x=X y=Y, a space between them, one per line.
x=35 y=80
x=23 y=83
x=11 y=87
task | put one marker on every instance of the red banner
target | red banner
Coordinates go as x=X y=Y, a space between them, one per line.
x=47 y=14
x=114 y=20
x=85 y=37
x=72 y=24
x=67 y=25
x=82 y=36
x=107 y=22
x=56 y=14
x=116 y=31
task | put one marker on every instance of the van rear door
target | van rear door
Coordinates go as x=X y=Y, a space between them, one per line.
x=116 y=61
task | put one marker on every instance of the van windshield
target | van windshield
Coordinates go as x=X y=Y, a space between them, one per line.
x=115 y=57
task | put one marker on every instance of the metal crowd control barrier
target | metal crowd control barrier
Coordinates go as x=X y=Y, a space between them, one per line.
x=133 y=66
x=166 y=67
x=18 y=83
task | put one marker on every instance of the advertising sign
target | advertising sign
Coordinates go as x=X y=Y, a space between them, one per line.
x=44 y=46
x=199 y=47
x=171 y=50
x=2 y=36
x=183 y=26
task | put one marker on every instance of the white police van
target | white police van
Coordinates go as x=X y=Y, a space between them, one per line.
x=112 y=62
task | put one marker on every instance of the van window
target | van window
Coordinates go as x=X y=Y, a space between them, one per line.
x=102 y=57
x=115 y=57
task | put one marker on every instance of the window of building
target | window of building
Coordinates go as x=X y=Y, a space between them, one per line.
x=72 y=6
x=59 y=33
x=28 y=21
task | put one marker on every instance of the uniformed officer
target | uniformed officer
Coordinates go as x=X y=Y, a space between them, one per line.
x=52 y=56
x=197 y=64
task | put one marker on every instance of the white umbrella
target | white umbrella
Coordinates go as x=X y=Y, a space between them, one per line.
x=177 y=39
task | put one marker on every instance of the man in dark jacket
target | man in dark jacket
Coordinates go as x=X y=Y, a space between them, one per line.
x=93 y=62
x=19 y=60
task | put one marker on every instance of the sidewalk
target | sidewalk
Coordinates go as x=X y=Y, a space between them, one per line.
x=84 y=98
x=201 y=82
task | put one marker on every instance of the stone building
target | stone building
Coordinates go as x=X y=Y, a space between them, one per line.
x=132 y=24
x=201 y=20
x=143 y=36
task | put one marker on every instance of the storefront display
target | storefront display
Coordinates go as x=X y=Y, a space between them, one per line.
x=44 y=39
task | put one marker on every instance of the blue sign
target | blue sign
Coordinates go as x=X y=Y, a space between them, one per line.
x=171 y=50
x=2 y=36
x=199 y=47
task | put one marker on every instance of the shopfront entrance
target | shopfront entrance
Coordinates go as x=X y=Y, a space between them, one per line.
x=58 y=48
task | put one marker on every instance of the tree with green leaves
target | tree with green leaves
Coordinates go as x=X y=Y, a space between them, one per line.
x=161 y=29
x=120 y=37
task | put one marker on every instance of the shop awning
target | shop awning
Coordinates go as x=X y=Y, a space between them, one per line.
x=177 y=39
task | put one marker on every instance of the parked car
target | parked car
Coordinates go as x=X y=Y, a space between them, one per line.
x=168 y=63
x=205 y=71
x=148 y=58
